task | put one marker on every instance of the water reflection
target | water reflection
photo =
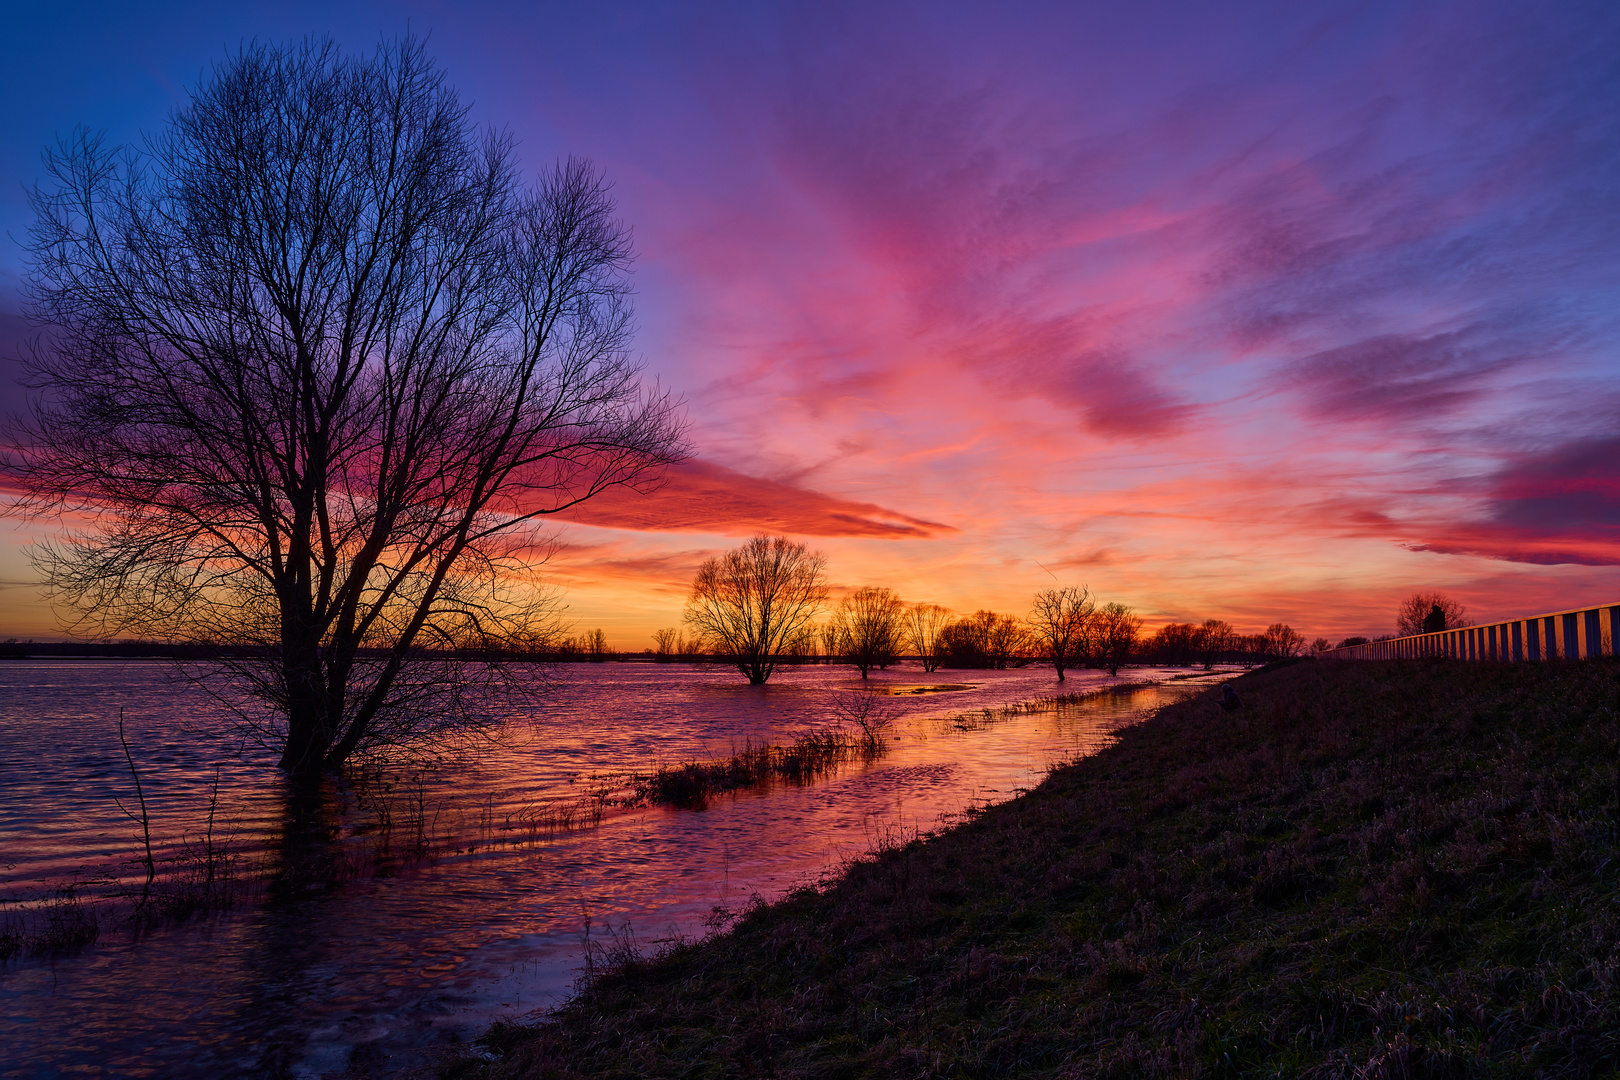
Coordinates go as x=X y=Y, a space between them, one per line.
x=386 y=919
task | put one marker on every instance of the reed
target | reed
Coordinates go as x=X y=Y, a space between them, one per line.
x=808 y=758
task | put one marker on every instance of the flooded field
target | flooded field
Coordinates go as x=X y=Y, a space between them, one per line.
x=363 y=925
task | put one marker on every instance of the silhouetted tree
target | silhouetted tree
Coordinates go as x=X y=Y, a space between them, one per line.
x=924 y=624
x=1321 y=645
x=665 y=644
x=596 y=646
x=1409 y=618
x=1117 y=629
x=868 y=623
x=984 y=640
x=1009 y=641
x=801 y=648
x=1060 y=624
x=1283 y=641
x=831 y=636
x=1212 y=641
x=752 y=601
x=1349 y=641
x=1173 y=644
x=318 y=363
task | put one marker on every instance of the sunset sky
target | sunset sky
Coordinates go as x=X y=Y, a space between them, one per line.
x=1264 y=312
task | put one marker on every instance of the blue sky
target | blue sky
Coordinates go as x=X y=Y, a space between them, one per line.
x=1255 y=311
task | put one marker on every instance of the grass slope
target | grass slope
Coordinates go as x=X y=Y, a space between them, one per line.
x=1374 y=869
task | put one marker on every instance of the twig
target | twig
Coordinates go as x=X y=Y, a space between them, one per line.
x=144 y=819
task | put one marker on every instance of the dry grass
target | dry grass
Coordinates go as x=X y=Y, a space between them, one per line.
x=1373 y=870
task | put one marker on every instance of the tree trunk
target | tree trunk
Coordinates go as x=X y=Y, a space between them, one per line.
x=308 y=726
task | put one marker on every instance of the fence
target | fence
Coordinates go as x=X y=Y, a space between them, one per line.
x=1572 y=634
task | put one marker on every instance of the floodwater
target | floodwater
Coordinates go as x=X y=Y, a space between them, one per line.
x=373 y=925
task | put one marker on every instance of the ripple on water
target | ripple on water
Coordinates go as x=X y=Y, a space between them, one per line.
x=368 y=942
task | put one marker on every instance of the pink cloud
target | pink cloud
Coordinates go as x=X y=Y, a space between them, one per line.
x=700 y=496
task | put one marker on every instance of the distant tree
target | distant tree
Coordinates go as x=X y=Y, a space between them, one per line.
x=318 y=361
x=1349 y=641
x=924 y=624
x=801 y=648
x=1117 y=630
x=1415 y=609
x=1321 y=645
x=984 y=639
x=1283 y=641
x=1212 y=641
x=1173 y=644
x=1009 y=641
x=869 y=624
x=832 y=640
x=1060 y=622
x=596 y=645
x=967 y=640
x=753 y=601
x=665 y=644
x=692 y=648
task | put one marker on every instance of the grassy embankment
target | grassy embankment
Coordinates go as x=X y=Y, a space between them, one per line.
x=1378 y=870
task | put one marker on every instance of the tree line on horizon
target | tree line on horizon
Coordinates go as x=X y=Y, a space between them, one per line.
x=759 y=606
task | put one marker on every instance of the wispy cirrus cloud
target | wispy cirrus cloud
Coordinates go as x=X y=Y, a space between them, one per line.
x=1267 y=312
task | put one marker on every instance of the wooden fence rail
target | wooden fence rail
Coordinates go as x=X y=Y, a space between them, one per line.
x=1572 y=634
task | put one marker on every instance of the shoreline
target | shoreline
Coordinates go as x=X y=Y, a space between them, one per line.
x=1342 y=877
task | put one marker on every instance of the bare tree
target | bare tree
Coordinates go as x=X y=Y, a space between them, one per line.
x=1212 y=641
x=924 y=625
x=984 y=639
x=1060 y=623
x=666 y=643
x=1009 y=640
x=595 y=644
x=801 y=647
x=869 y=627
x=1418 y=610
x=1174 y=643
x=873 y=716
x=1283 y=641
x=832 y=638
x=1117 y=630
x=318 y=362
x=753 y=601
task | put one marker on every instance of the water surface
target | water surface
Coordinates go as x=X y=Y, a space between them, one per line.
x=361 y=948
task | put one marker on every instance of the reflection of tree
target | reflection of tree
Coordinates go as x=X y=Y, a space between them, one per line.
x=752 y=602
x=319 y=362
